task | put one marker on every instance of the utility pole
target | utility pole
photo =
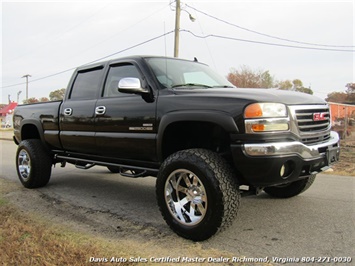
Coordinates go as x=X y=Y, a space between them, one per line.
x=345 y=134
x=18 y=96
x=177 y=28
x=27 y=76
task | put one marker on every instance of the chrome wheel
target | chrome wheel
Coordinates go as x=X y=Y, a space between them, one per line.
x=186 y=197
x=197 y=193
x=33 y=163
x=24 y=164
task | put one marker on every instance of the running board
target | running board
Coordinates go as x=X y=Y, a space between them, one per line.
x=87 y=164
x=84 y=167
x=125 y=172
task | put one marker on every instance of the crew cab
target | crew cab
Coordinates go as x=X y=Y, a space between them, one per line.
x=206 y=141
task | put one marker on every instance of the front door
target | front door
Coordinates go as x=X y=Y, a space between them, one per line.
x=125 y=123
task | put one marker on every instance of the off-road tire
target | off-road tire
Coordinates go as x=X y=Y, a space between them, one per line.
x=206 y=176
x=292 y=189
x=33 y=164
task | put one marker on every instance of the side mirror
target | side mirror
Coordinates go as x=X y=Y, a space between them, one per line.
x=131 y=85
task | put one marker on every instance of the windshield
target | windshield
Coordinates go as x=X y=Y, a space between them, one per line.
x=174 y=73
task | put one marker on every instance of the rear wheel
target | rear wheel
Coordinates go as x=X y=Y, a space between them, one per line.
x=197 y=193
x=33 y=163
x=292 y=189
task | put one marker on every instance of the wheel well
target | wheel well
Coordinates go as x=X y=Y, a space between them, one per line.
x=29 y=131
x=187 y=135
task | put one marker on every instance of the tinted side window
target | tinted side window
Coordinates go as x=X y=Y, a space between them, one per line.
x=87 y=84
x=115 y=74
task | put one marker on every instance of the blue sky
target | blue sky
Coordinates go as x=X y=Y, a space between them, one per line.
x=46 y=38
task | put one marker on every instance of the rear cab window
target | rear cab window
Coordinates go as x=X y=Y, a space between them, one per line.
x=87 y=84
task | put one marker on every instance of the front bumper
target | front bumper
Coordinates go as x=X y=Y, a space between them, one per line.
x=268 y=164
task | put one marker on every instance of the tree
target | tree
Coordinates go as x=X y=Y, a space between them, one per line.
x=350 y=92
x=57 y=95
x=248 y=78
x=43 y=99
x=35 y=100
x=336 y=97
x=267 y=81
x=295 y=85
x=284 y=85
x=31 y=100
x=351 y=87
x=343 y=97
x=305 y=90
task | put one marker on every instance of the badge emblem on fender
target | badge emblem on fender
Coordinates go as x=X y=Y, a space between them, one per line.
x=145 y=127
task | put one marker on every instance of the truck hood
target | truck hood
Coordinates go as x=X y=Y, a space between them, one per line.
x=255 y=95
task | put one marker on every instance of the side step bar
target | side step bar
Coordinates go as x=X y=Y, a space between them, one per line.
x=132 y=173
x=87 y=164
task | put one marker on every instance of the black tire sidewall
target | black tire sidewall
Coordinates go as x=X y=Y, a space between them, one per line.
x=291 y=190
x=40 y=163
x=215 y=208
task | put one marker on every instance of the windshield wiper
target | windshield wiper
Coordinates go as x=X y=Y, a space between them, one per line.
x=191 y=85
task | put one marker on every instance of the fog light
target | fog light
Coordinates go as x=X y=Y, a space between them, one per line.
x=287 y=169
x=282 y=170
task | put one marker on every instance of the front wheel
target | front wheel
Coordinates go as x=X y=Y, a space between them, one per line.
x=33 y=163
x=292 y=189
x=197 y=193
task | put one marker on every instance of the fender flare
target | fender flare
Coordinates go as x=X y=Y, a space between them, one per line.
x=222 y=119
x=35 y=123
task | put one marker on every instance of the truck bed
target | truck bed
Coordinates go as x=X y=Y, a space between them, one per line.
x=44 y=115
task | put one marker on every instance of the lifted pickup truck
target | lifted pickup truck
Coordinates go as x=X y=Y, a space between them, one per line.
x=177 y=120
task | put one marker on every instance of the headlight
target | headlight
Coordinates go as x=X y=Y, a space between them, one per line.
x=266 y=117
x=257 y=110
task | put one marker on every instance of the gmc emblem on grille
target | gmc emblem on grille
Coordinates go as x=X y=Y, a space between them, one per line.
x=319 y=116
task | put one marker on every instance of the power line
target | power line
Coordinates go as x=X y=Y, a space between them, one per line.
x=264 y=43
x=60 y=34
x=99 y=59
x=134 y=46
x=264 y=34
x=193 y=34
x=130 y=26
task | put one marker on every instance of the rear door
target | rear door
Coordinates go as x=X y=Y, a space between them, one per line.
x=77 y=113
x=125 y=123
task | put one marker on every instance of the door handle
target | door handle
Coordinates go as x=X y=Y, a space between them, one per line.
x=68 y=111
x=100 y=110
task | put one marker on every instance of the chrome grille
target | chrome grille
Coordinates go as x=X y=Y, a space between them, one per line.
x=313 y=120
x=311 y=123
